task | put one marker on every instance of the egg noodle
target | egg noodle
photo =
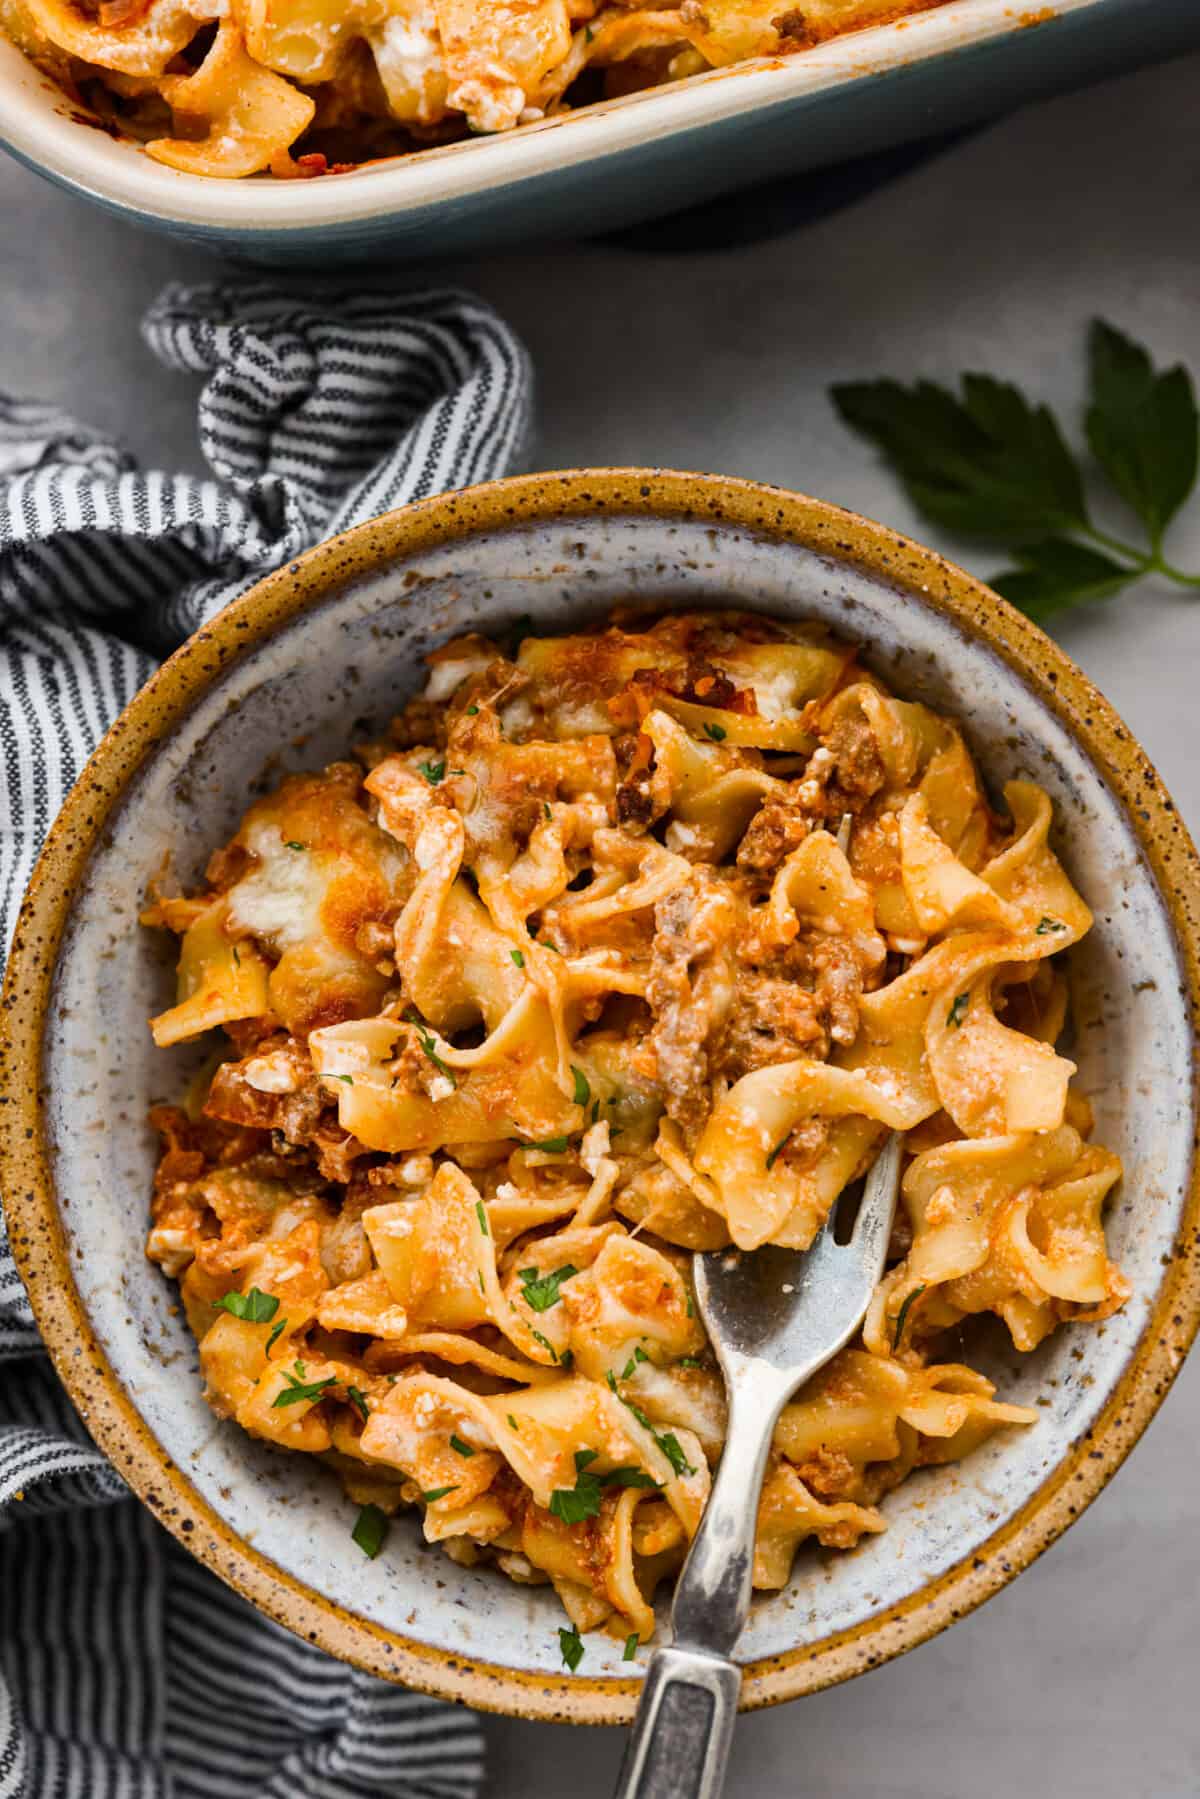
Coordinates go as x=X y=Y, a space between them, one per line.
x=228 y=88
x=567 y=978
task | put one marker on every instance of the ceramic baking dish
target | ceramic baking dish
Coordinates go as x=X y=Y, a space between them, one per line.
x=623 y=160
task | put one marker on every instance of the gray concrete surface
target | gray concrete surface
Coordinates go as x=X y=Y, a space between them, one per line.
x=1079 y=1679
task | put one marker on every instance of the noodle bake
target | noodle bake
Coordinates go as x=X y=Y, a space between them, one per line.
x=228 y=88
x=570 y=976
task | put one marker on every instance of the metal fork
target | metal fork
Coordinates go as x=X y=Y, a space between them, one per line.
x=773 y=1316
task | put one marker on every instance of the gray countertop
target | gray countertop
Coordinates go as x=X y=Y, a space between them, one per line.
x=1078 y=1679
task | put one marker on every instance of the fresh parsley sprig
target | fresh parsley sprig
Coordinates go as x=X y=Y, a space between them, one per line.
x=991 y=464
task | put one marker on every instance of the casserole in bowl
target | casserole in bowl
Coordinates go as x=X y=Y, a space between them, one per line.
x=624 y=159
x=336 y=637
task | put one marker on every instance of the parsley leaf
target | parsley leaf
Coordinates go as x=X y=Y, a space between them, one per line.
x=358 y=1400
x=902 y=1315
x=298 y=1389
x=426 y=1040
x=1056 y=573
x=716 y=732
x=630 y=1477
x=639 y=1355
x=583 y=1091
x=518 y=957
x=989 y=464
x=277 y=1330
x=548 y=1346
x=574 y=1504
x=437 y=1493
x=459 y=1447
x=370 y=1528
x=541 y=1291
x=433 y=771
x=481 y=1214
x=293 y=845
x=552 y=1145
x=1142 y=427
x=631 y=1646
x=668 y=1442
x=672 y=1448
x=255 y=1306
x=1047 y=924
x=958 y=1011
x=571 y=1645
x=781 y=1145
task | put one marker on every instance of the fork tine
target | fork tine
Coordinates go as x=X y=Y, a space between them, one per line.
x=873 y=1226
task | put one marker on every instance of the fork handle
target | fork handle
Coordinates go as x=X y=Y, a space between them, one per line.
x=680 y=1740
x=684 y=1725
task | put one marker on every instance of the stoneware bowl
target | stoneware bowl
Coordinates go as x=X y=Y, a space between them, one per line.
x=608 y=165
x=328 y=647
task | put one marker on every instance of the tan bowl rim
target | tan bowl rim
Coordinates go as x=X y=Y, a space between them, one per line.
x=39 y=1242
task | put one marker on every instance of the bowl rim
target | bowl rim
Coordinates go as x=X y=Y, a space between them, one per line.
x=119 y=174
x=40 y=1243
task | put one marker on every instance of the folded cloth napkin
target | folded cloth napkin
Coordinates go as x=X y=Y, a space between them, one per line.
x=126 y=1669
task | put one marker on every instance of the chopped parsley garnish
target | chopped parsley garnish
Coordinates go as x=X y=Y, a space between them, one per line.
x=902 y=1315
x=518 y=957
x=433 y=771
x=630 y=1477
x=482 y=1288
x=425 y=1039
x=673 y=1450
x=595 y=1110
x=639 y=1355
x=237 y=957
x=255 y=1307
x=513 y=1425
x=541 y=1291
x=958 y=1011
x=293 y=845
x=481 y=1214
x=574 y=1504
x=472 y=711
x=437 y=1493
x=716 y=732
x=358 y=1400
x=583 y=1091
x=277 y=1331
x=549 y=1347
x=298 y=1389
x=668 y=1442
x=782 y=1144
x=347 y=1078
x=459 y=1447
x=571 y=1644
x=689 y=1361
x=370 y=1528
x=546 y=944
x=546 y=812
x=631 y=1646
x=567 y=1359
x=1046 y=925
x=552 y=1145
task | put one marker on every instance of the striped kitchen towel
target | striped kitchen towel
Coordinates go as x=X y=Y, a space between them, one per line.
x=126 y=1670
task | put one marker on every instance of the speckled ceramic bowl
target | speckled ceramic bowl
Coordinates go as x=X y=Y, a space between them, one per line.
x=310 y=656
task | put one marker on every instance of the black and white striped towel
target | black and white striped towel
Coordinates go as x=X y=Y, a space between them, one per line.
x=126 y=1670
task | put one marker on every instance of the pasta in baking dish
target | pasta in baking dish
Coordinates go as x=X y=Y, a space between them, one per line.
x=228 y=88
x=565 y=978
